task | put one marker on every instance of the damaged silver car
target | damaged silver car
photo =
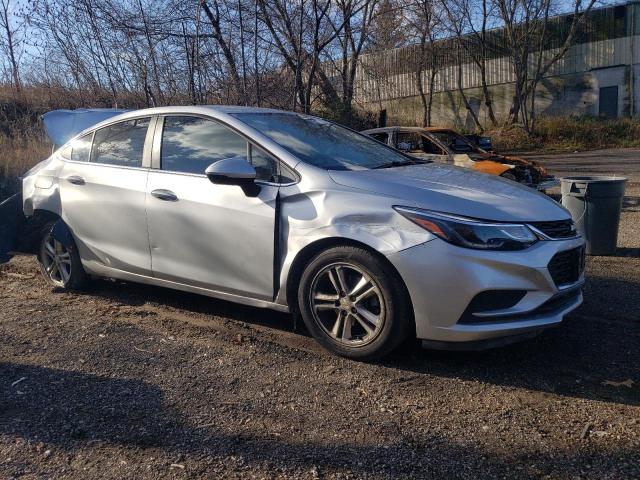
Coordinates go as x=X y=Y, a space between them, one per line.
x=291 y=212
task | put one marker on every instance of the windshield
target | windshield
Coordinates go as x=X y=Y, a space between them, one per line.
x=323 y=144
x=456 y=142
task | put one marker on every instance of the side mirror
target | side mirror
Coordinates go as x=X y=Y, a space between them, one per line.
x=231 y=171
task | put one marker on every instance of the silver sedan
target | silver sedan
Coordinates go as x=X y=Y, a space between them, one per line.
x=291 y=212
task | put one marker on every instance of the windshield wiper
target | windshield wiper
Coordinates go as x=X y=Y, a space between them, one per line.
x=395 y=163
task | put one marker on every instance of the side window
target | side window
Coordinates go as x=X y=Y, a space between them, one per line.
x=269 y=169
x=266 y=166
x=429 y=147
x=121 y=144
x=409 y=142
x=381 y=137
x=191 y=144
x=287 y=175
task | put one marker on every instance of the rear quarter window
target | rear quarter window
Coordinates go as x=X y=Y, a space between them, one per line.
x=79 y=149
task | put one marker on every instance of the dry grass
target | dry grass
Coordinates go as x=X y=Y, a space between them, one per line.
x=22 y=140
x=21 y=148
x=18 y=153
x=561 y=134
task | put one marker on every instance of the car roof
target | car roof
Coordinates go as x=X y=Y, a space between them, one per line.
x=222 y=112
x=200 y=108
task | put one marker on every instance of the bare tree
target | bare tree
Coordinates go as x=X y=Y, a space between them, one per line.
x=351 y=28
x=211 y=9
x=300 y=34
x=12 y=39
x=469 y=20
x=425 y=26
x=528 y=29
x=387 y=28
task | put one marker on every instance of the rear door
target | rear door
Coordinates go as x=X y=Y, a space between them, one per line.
x=206 y=235
x=102 y=190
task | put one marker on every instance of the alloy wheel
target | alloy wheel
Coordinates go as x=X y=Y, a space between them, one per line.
x=56 y=261
x=347 y=304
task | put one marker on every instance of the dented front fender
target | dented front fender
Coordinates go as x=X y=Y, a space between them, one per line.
x=308 y=217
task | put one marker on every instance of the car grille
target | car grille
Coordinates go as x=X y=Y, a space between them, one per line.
x=565 y=267
x=558 y=229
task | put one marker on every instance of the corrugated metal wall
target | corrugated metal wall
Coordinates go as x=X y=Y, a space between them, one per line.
x=389 y=75
x=374 y=84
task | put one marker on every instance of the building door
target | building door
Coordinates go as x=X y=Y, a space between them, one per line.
x=608 y=102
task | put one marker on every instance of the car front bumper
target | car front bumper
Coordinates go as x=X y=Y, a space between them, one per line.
x=443 y=279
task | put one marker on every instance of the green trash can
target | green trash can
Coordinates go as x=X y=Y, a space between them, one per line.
x=595 y=204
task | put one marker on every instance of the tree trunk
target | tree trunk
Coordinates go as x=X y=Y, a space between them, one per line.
x=214 y=19
x=463 y=95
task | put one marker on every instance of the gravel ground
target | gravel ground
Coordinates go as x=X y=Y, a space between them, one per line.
x=128 y=381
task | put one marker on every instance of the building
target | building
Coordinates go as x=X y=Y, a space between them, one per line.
x=598 y=76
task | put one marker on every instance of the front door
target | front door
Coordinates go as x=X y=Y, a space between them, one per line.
x=203 y=234
x=419 y=146
x=102 y=190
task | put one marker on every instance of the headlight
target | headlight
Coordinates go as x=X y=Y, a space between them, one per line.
x=469 y=232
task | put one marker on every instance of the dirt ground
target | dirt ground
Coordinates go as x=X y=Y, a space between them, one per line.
x=128 y=381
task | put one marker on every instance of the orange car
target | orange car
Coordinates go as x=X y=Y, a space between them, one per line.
x=447 y=146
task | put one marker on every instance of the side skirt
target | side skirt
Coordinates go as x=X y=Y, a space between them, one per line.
x=108 y=272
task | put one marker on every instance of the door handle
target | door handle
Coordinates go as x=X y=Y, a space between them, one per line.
x=76 y=180
x=166 y=195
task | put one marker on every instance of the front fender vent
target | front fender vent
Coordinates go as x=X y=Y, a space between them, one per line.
x=488 y=301
x=566 y=267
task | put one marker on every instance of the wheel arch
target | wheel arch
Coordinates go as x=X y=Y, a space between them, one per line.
x=304 y=256
x=33 y=229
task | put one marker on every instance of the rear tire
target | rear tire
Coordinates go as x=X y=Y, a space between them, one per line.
x=60 y=264
x=354 y=303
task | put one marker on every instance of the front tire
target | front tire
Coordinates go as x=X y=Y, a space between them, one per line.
x=354 y=303
x=60 y=264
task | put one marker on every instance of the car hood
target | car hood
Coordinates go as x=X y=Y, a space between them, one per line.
x=456 y=190
x=508 y=159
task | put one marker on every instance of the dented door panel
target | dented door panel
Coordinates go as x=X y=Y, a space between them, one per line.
x=106 y=213
x=212 y=236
